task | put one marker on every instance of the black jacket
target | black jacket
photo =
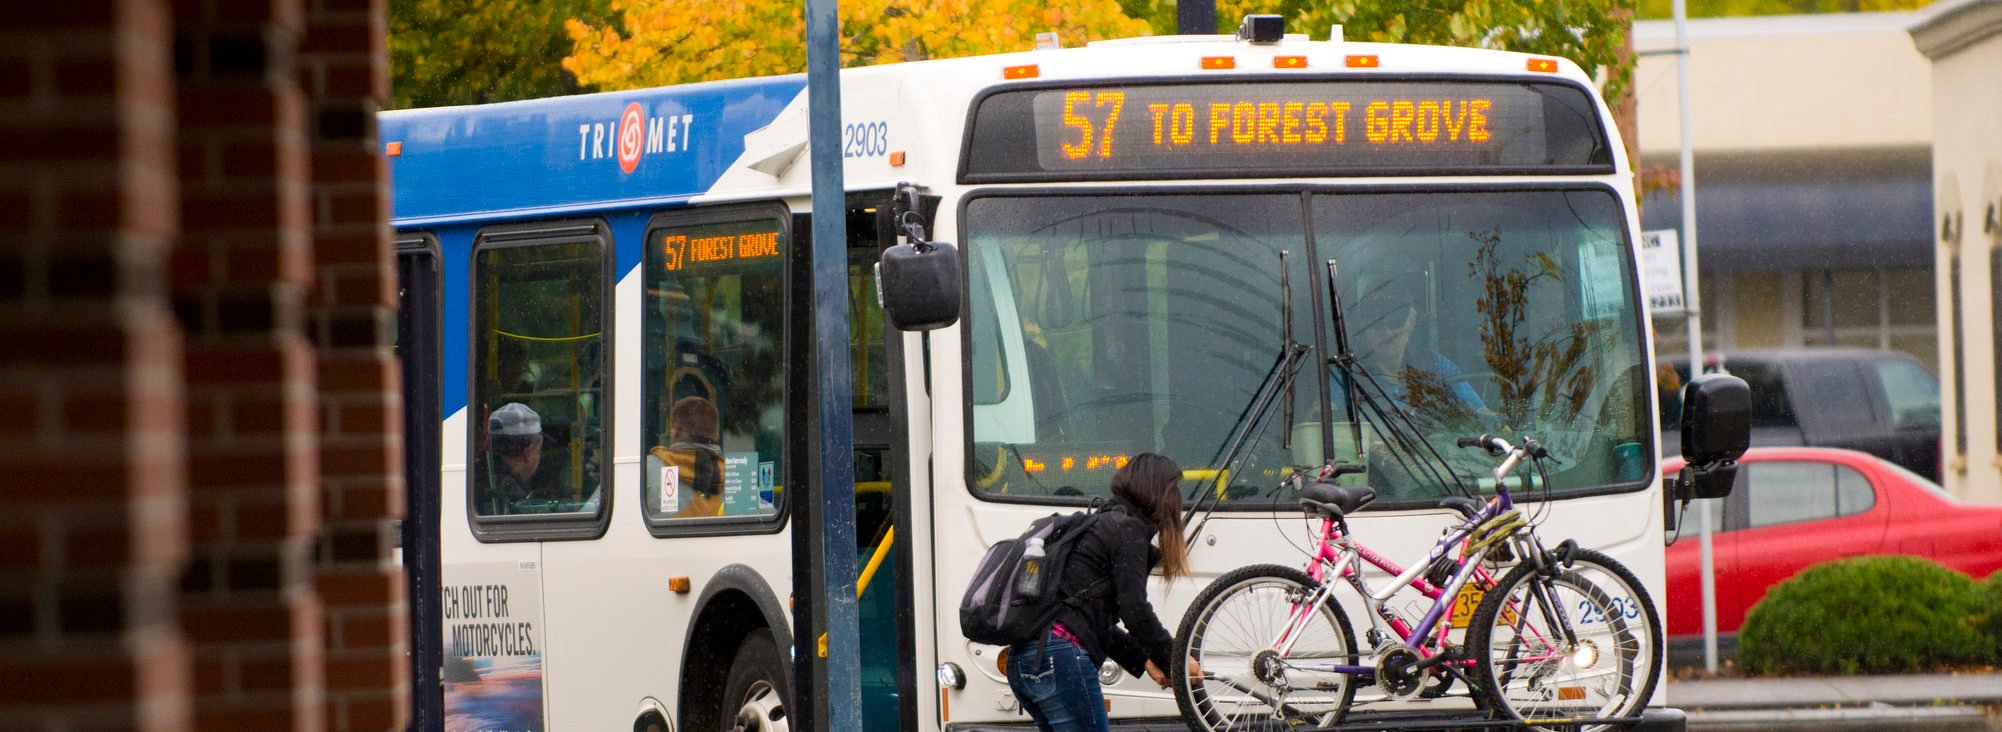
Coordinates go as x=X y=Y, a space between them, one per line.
x=1106 y=576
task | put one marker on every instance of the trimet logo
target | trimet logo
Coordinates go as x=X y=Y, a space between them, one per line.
x=633 y=136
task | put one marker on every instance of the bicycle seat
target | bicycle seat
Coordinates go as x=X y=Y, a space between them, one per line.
x=1333 y=500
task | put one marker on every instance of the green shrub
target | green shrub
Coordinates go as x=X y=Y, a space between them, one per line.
x=1991 y=624
x=1867 y=615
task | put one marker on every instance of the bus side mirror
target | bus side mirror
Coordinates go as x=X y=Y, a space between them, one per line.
x=1716 y=431
x=919 y=286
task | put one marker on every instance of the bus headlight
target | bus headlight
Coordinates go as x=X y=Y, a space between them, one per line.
x=1108 y=672
x=950 y=676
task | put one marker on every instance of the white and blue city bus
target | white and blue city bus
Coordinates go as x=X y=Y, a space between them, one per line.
x=631 y=269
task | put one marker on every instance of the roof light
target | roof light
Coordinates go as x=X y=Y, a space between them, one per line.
x=1219 y=62
x=1026 y=71
x=1048 y=40
x=393 y=149
x=1545 y=65
x=1289 y=62
x=1262 y=28
x=1362 y=61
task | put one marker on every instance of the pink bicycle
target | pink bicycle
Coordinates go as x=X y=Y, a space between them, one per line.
x=1565 y=639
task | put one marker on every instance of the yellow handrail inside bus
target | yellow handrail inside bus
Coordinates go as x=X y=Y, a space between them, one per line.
x=1222 y=478
x=559 y=339
x=876 y=560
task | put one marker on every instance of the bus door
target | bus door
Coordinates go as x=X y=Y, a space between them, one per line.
x=882 y=498
x=417 y=349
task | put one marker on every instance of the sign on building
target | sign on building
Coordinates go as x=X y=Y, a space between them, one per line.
x=1661 y=271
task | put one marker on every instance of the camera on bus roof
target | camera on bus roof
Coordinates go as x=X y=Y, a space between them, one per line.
x=1262 y=29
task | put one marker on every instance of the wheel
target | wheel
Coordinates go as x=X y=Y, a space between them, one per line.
x=756 y=693
x=1529 y=671
x=1247 y=684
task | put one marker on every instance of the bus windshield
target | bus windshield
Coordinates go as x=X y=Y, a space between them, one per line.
x=1108 y=325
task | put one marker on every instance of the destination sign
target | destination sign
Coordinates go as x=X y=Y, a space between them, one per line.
x=1272 y=129
x=710 y=244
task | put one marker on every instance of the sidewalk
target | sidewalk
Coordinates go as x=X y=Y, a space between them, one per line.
x=1932 y=702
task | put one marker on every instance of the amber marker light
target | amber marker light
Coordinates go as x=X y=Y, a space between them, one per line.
x=393 y=149
x=896 y=158
x=1289 y=62
x=1545 y=65
x=1026 y=71
x=1219 y=62
x=1362 y=61
x=678 y=585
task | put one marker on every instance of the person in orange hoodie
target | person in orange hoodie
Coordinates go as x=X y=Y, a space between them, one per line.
x=695 y=454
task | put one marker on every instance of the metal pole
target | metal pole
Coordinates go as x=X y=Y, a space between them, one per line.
x=1693 y=301
x=832 y=486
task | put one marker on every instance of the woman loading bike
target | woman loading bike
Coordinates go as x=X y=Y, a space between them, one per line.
x=1106 y=578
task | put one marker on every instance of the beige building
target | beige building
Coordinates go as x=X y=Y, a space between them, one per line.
x=1813 y=145
x=1963 y=41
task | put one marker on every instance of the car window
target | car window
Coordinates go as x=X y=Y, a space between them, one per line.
x=1770 y=407
x=1837 y=388
x=1789 y=492
x=1912 y=392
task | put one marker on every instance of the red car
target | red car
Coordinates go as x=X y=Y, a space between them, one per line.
x=1797 y=506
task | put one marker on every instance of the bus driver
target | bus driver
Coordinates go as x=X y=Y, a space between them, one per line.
x=695 y=455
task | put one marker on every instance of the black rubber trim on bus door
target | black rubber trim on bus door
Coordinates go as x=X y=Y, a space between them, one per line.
x=420 y=353
x=546 y=527
x=788 y=226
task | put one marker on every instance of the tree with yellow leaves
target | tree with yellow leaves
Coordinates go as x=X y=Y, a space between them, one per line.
x=679 y=41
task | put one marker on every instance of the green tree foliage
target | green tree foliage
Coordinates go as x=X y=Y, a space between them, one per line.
x=662 y=43
x=1589 y=32
x=1663 y=9
x=1868 y=615
x=445 y=52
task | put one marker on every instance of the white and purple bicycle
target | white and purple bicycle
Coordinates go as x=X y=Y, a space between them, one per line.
x=1561 y=638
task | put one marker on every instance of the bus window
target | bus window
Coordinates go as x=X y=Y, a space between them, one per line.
x=539 y=374
x=713 y=406
x=1504 y=312
x=1107 y=326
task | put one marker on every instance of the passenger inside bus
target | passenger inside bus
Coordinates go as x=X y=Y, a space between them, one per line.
x=695 y=456
x=1413 y=375
x=514 y=441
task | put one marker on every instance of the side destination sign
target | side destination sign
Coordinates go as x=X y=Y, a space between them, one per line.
x=1262 y=129
x=538 y=157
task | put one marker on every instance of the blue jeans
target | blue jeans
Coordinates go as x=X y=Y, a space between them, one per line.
x=1059 y=690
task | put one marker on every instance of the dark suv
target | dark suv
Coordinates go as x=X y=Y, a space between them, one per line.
x=1880 y=402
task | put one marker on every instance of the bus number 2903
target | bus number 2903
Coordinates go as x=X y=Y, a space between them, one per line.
x=865 y=140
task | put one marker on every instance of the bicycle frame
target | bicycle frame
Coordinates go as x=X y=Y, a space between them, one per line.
x=1420 y=637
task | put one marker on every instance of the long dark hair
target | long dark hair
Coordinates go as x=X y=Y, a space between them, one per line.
x=1151 y=484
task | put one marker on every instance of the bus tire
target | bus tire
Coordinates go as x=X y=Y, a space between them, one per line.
x=757 y=696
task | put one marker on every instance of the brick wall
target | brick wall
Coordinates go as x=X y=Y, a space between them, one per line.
x=198 y=409
x=241 y=276
x=344 y=69
x=94 y=532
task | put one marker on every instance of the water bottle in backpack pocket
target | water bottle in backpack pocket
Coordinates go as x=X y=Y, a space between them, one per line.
x=1016 y=589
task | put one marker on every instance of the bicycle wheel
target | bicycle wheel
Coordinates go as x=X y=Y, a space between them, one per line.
x=1247 y=684
x=1529 y=670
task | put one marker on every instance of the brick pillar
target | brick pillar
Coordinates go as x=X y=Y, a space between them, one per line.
x=241 y=276
x=95 y=528
x=345 y=70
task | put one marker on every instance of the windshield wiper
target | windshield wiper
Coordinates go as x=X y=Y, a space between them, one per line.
x=1392 y=425
x=1277 y=386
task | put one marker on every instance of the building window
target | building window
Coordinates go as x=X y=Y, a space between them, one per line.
x=1873 y=308
x=539 y=377
x=1959 y=339
x=713 y=399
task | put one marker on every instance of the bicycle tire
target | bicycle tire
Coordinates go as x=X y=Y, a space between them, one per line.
x=1258 y=593
x=1623 y=650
